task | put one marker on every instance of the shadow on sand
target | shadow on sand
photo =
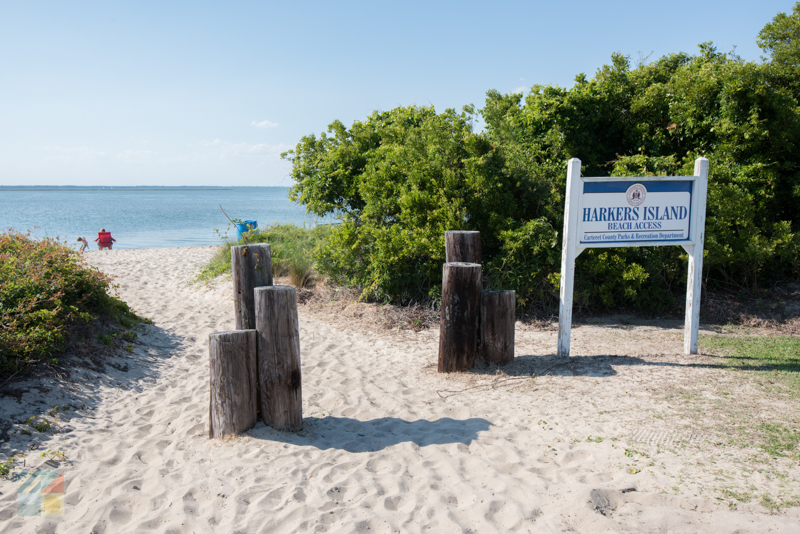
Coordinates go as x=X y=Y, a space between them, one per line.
x=352 y=435
x=72 y=389
x=603 y=365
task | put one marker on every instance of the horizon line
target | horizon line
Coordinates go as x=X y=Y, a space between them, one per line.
x=183 y=187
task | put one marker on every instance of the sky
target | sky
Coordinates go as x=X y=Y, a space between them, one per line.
x=211 y=93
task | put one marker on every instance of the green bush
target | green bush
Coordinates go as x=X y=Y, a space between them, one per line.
x=401 y=178
x=291 y=248
x=46 y=289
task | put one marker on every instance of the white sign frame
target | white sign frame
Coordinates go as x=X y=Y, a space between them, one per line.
x=572 y=247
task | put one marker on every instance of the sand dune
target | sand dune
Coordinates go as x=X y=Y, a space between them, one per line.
x=389 y=445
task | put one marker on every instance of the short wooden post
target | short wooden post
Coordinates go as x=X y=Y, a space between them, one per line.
x=458 y=326
x=497 y=326
x=462 y=246
x=251 y=267
x=232 y=366
x=279 y=378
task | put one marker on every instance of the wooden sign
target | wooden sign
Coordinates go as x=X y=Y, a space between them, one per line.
x=634 y=212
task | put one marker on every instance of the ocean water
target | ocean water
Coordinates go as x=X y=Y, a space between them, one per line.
x=145 y=217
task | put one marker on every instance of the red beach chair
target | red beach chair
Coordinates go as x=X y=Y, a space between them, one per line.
x=104 y=240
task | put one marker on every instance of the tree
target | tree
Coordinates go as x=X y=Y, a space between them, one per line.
x=403 y=177
x=781 y=39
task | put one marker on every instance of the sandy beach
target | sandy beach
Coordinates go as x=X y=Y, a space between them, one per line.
x=626 y=436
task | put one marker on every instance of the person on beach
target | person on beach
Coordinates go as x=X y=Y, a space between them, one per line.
x=84 y=243
x=104 y=239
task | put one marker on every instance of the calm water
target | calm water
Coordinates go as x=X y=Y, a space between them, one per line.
x=146 y=218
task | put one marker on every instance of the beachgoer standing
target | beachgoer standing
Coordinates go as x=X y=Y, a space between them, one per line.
x=84 y=243
x=104 y=239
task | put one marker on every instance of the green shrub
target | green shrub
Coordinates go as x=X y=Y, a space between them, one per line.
x=46 y=289
x=291 y=249
x=526 y=255
x=400 y=180
x=40 y=424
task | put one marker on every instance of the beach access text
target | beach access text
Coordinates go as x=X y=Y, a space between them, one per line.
x=647 y=211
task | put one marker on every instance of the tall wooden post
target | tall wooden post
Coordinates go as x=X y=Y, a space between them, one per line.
x=232 y=366
x=568 y=255
x=694 y=278
x=462 y=246
x=251 y=267
x=279 y=378
x=497 y=326
x=458 y=326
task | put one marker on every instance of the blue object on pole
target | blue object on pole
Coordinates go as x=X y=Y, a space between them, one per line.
x=246 y=226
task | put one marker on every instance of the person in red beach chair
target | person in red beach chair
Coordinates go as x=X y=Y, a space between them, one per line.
x=104 y=239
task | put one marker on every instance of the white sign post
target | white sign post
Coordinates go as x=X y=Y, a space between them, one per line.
x=652 y=211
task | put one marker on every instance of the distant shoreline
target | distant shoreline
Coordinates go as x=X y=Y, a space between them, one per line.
x=130 y=188
x=33 y=188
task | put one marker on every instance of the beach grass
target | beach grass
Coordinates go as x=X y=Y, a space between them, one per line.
x=771 y=365
x=291 y=246
x=775 y=358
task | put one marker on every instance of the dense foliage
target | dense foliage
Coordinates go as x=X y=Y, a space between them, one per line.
x=402 y=177
x=45 y=290
x=291 y=249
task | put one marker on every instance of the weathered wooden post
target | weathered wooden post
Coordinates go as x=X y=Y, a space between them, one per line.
x=232 y=365
x=497 y=326
x=251 y=267
x=279 y=378
x=458 y=326
x=462 y=246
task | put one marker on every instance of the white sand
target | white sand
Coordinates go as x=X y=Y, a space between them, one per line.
x=389 y=445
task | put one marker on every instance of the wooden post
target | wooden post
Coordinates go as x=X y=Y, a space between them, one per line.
x=568 y=255
x=462 y=246
x=458 y=326
x=497 y=326
x=694 y=278
x=279 y=379
x=251 y=267
x=232 y=366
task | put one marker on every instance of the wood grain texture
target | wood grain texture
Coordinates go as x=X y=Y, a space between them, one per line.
x=279 y=377
x=497 y=318
x=458 y=326
x=233 y=394
x=462 y=246
x=251 y=267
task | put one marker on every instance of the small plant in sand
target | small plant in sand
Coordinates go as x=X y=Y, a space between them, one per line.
x=129 y=336
x=39 y=424
x=7 y=466
x=107 y=339
x=57 y=455
x=57 y=409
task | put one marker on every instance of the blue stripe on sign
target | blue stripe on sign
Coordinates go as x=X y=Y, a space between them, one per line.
x=667 y=186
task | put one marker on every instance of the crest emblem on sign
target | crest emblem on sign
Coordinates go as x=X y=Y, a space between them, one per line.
x=636 y=194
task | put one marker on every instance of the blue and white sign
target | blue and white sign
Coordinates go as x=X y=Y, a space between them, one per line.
x=626 y=213
x=646 y=211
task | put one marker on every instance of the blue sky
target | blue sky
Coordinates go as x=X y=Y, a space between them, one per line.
x=204 y=93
